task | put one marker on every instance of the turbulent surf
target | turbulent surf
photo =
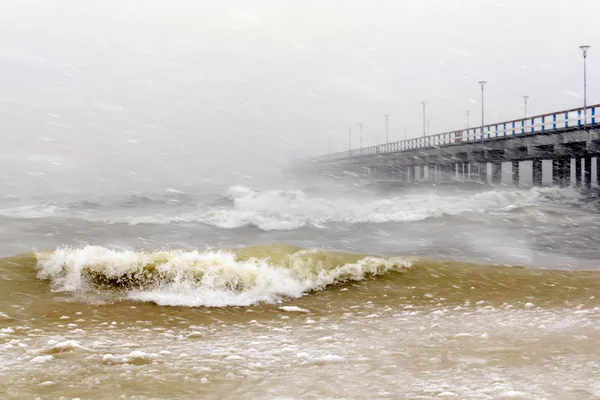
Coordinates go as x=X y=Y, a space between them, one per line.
x=463 y=293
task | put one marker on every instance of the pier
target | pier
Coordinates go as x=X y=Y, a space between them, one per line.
x=569 y=140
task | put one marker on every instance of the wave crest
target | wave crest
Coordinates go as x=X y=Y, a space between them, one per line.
x=207 y=278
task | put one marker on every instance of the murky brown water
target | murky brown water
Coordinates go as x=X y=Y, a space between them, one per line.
x=432 y=330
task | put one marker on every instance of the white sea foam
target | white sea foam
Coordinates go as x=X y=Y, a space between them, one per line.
x=293 y=209
x=294 y=309
x=136 y=357
x=63 y=347
x=209 y=278
x=41 y=359
x=329 y=358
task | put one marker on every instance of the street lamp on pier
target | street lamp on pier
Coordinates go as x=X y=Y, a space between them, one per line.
x=360 y=136
x=387 y=131
x=424 y=119
x=482 y=83
x=585 y=49
x=350 y=138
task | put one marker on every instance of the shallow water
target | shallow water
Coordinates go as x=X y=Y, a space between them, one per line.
x=347 y=294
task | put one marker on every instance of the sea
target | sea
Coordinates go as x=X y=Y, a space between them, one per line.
x=328 y=289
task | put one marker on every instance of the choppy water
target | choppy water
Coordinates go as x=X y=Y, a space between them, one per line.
x=313 y=292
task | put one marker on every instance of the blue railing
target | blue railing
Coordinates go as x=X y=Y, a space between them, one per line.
x=546 y=123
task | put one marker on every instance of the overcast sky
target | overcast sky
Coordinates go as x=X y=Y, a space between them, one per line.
x=134 y=93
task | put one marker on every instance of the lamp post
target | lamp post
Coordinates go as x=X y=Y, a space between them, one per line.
x=387 y=132
x=482 y=83
x=424 y=103
x=360 y=136
x=350 y=138
x=525 y=98
x=585 y=49
x=467 y=112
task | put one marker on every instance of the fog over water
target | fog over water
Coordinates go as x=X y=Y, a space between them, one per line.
x=134 y=95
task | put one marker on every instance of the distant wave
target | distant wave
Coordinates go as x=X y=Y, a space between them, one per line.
x=83 y=208
x=44 y=210
x=293 y=209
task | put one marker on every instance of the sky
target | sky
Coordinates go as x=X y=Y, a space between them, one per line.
x=141 y=94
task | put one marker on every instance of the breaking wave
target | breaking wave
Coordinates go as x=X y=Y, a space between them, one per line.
x=294 y=209
x=207 y=278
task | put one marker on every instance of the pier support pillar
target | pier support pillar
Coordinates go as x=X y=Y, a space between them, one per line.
x=578 y=172
x=515 y=173
x=565 y=171
x=587 y=172
x=598 y=171
x=556 y=178
x=497 y=172
x=411 y=173
x=464 y=168
x=537 y=173
x=483 y=172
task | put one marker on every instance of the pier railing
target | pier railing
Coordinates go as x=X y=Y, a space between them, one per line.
x=539 y=124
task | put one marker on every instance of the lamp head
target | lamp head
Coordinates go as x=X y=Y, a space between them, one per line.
x=585 y=48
